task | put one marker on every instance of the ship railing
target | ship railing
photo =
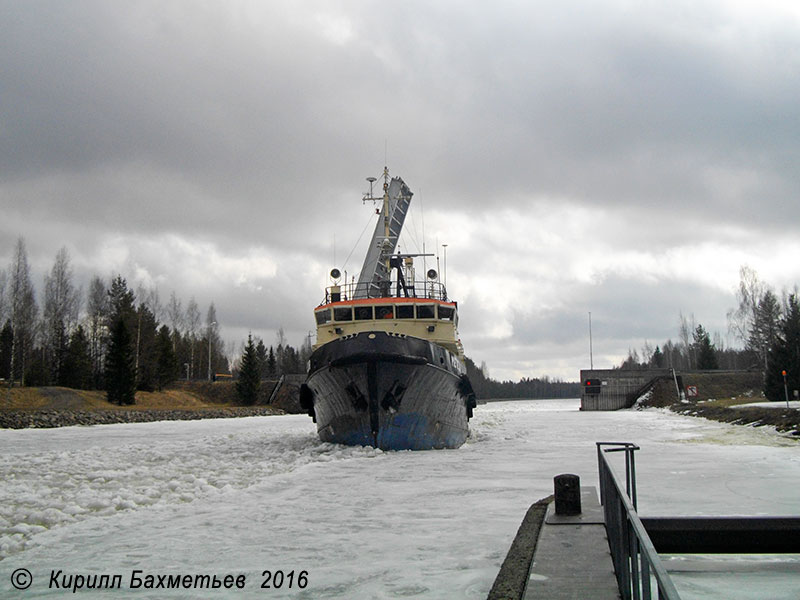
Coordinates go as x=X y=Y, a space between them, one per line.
x=422 y=289
x=636 y=562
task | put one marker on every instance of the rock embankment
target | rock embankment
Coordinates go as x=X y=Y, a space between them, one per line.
x=20 y=419
x=783 y=420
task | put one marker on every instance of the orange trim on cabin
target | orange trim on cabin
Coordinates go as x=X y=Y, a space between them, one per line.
x=388 y=300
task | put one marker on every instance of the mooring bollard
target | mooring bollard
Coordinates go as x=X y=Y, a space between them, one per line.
x=568 y=494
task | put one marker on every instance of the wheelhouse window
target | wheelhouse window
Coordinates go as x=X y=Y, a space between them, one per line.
x=446 y=313
x=323 y=316
x=343 y=313
x=384 y=312
x=363 y=313
x=405 y=311
x=426 y=311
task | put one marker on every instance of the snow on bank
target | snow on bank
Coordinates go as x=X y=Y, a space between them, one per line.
x=245 y=495
x=782 y=404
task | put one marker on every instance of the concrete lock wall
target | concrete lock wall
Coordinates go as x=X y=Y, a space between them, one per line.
x=619 y=389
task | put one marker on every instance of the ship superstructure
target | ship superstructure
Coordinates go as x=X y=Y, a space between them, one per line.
x=387 y=368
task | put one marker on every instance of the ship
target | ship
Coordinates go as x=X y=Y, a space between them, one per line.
x=388 y=368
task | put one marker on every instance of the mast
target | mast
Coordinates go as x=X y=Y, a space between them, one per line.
x=375 y=278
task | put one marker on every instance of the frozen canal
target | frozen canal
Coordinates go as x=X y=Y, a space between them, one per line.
x=241 y=496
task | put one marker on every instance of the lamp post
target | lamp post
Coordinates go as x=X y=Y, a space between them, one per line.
x=785 y=388
x=591 y=353
x=210 y=325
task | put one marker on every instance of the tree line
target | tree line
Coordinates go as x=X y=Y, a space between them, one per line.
x=110 y=337
x=257 y=363
x=530 y=388
x=765 y=324
x=693 y=350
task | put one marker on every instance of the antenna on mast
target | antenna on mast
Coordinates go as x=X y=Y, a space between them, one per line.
x=422 y=211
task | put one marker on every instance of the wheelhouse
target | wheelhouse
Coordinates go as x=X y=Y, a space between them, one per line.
x=375 y=309
x=429 y=318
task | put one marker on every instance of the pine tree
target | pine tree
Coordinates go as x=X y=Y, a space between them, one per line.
x=272 y=363
x=120 y=366
x=166 y=363
x=37 y=370
x=785 y=355
x=766 y=322
x=6 y=347
x=704 y=350
x=261 y=354
x=249 y=383
x=657 y=359
x=121 y=303
x=77 y=371
x=145 y=349
x=291 y=361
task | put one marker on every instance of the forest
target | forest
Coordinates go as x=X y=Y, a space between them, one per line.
x=487 y=388
x=767 y=326
x=110 y=337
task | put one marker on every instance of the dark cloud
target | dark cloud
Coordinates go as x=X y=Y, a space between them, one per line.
x=552 y=146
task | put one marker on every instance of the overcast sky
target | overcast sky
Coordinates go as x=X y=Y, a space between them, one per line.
x=619 y=158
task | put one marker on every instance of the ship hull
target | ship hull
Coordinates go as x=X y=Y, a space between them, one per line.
x=388 y=391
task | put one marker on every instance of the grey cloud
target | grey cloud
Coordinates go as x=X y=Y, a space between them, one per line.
x=253 y=125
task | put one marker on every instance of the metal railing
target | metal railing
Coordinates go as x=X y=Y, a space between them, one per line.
x=431 y=290
x=636 y=562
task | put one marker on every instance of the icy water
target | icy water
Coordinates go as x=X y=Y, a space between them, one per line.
x=239 y=497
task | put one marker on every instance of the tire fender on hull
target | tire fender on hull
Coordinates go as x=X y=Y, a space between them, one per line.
x=307 y=401
x=465 y=389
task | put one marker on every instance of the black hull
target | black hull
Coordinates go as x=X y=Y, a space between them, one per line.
x=388 y=391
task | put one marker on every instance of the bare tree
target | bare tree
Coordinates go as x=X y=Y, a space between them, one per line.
x=647 y=354
x=22 y=301
x=306 y=350
x=280 y=350
x=742 y=319
x=152 y=300
x=3 y=280
x=175 y=312
x=61 y=307
x=686 y=332
x=175 y=316
x=214 y=342
x=192 y=328
x=672 y=354
x=98 y=312
x=484 y=369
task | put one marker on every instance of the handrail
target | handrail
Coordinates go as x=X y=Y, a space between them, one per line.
x=422 y=289
x=634 y=556
x=276 y=389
